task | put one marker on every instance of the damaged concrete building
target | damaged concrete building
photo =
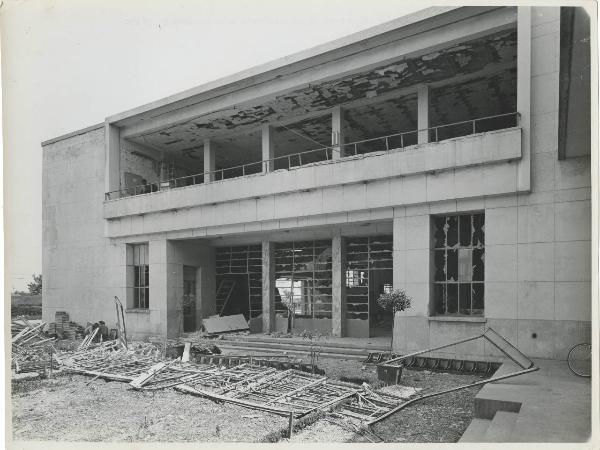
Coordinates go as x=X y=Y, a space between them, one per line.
x=446 y=153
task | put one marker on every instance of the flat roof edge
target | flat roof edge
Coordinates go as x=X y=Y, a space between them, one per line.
x=345 y=41
x=73 y=134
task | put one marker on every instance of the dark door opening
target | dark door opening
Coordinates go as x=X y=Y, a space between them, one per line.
x=189 y=299
x=381 y=322
x=233 y=295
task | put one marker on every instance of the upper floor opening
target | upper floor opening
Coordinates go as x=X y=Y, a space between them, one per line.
x=459 y=87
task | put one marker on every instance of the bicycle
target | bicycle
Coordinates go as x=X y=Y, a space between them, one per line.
x=579 y=360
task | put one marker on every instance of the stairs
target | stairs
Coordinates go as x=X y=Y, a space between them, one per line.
x=499 y=429
x=249 y=345
x=224 y=292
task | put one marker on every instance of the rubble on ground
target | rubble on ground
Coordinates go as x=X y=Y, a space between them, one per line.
x=32 y=350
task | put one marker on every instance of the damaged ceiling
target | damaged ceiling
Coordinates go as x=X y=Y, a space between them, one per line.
x=235 y=129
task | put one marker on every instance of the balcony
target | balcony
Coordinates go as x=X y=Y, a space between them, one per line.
x=479 y=141
x=327 y=155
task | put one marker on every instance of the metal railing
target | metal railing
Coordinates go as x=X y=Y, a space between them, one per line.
x=326 y=154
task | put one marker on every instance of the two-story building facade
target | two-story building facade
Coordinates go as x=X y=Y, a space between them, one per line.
x=438 y=153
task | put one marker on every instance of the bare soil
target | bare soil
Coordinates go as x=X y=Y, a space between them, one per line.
x=65 y=409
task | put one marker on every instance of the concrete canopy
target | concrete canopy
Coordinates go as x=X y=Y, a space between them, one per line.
x=382 y=92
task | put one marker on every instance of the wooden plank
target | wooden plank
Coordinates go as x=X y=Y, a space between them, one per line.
x=186 y=352
x=225 y=324
x=145 y=376
x=235 y=401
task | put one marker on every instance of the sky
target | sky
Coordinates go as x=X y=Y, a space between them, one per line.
x=69 y=64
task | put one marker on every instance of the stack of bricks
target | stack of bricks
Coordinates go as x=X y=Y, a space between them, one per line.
x=63 y=325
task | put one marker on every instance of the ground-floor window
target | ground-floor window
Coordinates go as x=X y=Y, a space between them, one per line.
x=458 y=259
x=369 y=273
x=303 y=274
x=139 y=275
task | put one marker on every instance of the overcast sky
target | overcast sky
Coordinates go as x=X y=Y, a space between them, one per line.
x=68 y=64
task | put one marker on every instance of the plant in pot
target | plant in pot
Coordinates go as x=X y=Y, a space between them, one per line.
x=394 y=301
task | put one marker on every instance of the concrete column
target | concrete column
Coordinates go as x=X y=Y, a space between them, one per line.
x=337 y=132
x=205 y=283
x=209 y=161
x=423 y=113
x=268 y=286
x=268 y=149
x=338 y=267
x=112 y=158
x=159 y=286
x=524 y=94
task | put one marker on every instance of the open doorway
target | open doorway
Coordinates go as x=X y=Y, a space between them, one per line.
x=369 y=273
x=239 y=283
x=232 y=295
x=381 y=322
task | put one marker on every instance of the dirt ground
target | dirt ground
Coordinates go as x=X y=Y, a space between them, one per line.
x=64 y=408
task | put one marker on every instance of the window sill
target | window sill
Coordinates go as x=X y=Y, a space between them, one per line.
x=475 y=319
x=138 y=311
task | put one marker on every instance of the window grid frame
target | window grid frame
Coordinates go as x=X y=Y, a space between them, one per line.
x=472 y=283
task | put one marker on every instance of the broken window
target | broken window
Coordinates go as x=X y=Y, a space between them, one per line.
x=303 y=271
x=369 y=264
x=140 y=270
x=458 y=259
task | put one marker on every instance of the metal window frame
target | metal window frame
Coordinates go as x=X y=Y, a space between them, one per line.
x=457 y=248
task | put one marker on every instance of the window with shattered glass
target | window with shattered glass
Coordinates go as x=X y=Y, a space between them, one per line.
x=459 y=264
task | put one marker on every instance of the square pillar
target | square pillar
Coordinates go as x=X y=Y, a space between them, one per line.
x=209 y=161
x=423 y=113
x=268 y=286
x=160 y=285
x=112 y=158
x=268 y=149
x=524 y=95
x=338 y=283
x=337 y=132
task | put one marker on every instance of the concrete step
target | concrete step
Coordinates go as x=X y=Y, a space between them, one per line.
x=244 y=350
x=296 y=346
x=366 y=346
x=501 y=427
x=475 y=432
x=496 y=397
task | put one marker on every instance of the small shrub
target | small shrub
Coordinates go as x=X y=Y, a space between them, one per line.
x=394 y=301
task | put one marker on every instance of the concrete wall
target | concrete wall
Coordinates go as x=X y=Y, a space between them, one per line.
x=146 y=167
x=78 y=277
x=537 y=245
x=164 y=315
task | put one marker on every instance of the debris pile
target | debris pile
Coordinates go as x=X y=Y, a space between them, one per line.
x=31 y=349
x=287 y=392
x=111 y=360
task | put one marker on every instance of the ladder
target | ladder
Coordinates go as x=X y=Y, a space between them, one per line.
x=224 y=292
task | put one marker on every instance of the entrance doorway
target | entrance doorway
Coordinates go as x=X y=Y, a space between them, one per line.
x=239 y=283
x=189 y=299
x=369 y=273
x=232 y=295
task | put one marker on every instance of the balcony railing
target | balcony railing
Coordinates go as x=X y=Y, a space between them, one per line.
x=326 y=154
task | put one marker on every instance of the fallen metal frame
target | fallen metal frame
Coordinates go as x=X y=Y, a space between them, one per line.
x=289 y=392
x=510 y=351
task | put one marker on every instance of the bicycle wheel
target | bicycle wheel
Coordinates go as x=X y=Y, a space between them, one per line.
x=580 y=360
